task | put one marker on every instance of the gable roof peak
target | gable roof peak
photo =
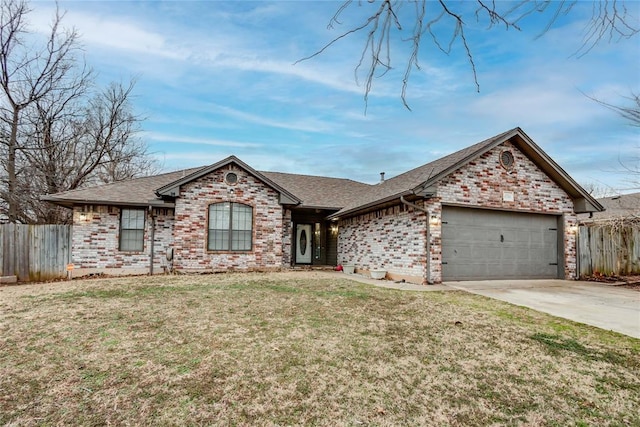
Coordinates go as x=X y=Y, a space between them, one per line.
x=173 y=189
x=420 y=180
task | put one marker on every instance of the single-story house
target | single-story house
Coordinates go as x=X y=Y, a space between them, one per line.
x=501 y=208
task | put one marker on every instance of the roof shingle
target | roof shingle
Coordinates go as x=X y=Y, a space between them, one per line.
x=345 y=196
x=403 y=184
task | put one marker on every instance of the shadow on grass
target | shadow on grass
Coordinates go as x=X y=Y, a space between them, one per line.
x=556 y=345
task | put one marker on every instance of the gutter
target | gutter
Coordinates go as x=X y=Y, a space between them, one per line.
x=152 y=238
x=364 y=207
x=70 y=203
x=413 y=205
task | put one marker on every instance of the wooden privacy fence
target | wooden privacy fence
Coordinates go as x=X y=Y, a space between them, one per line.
x=610 y=249
x=34 y=252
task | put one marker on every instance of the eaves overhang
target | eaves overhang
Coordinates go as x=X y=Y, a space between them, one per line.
x=319 y=207
x=378 y=204
x=583 y=202
x=70 y=203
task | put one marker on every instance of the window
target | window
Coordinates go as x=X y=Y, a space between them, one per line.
x=230 y=227
x=506 y=159
x=231 y=178
x=132 y=230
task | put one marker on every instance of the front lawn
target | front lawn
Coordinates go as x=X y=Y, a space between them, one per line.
x=294 y=349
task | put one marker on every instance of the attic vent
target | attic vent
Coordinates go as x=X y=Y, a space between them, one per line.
x=506 y=159
x=231 y=178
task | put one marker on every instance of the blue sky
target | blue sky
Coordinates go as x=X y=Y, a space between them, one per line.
x=216 y=78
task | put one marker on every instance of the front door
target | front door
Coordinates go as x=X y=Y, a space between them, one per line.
x=303 y=244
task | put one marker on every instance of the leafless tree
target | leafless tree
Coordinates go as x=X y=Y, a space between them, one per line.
x=386 y=21
x=27 y=74
x=80 y=142
x=629 y=110
x=56 y=132
x=629 y=162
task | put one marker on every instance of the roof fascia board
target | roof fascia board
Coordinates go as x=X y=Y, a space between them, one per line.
x=368 y=206
x=324 y=208
x=286 y=200
x=70 y=203
x=559 y=175
x=172 y=189
x=431 y=182
x=539 y=157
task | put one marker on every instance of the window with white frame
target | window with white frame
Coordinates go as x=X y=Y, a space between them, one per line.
x=230 y=227
x=132 y=230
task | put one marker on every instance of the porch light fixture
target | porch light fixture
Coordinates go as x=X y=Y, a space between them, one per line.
x=434 y=220
x=573 y=229
x=334 y=228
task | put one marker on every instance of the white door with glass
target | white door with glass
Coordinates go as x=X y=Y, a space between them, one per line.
x=303 y=244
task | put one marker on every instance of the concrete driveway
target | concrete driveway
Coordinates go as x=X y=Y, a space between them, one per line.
x=605 y=306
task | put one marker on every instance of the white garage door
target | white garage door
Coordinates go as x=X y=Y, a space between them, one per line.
x=482 y=244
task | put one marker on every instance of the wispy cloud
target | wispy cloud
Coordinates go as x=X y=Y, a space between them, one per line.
x=218 y=78
x=293 y=123
x=181 y=139
x=121 y=34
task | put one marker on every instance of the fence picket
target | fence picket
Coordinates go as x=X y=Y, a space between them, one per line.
x=34 y=252
x=609 y=249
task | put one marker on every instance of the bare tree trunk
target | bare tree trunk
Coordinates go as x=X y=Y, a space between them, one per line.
x=12 y=213
x=56 y=134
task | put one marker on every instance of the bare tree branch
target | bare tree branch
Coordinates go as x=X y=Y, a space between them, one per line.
x=56 y=133
x=610 y=21
x=630 y=112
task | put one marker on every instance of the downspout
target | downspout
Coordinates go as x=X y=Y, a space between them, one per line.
x=152 y=238
x=428 y=244
x=577 y=243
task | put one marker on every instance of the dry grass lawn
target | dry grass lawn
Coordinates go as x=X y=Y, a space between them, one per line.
x=288 y=349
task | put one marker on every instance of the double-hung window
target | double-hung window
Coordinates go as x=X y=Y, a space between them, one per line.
x=230 y=227
x=132 y=230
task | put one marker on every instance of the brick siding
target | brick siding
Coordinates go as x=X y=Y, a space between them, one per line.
x=191 y=223
x=373 y=240
x=96 y=240
x=287 y=234
x=391 y=239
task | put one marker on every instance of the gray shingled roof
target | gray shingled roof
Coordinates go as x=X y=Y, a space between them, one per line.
x=314 y=191
x=624 y=206
x=404 y=183
x=347 y=196
x=319 y=191
x=134 y=192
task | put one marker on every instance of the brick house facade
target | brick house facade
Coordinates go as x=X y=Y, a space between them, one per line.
x=396 y=238
x=190 y=231
x=201 y=220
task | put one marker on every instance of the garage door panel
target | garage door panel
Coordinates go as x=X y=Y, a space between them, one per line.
x=485 y=244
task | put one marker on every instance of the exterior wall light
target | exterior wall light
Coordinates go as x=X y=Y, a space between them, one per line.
x=434 y=220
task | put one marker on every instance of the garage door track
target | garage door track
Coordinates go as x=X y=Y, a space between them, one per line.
x=604 y=306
